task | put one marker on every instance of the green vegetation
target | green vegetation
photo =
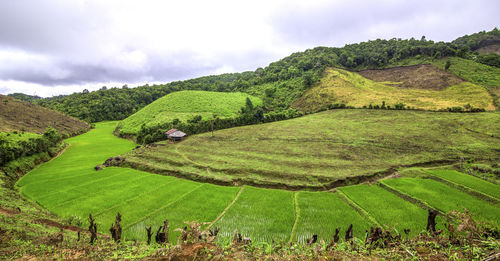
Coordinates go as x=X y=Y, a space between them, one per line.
x=388 y=209
x=445 y=198
x=477 y=73
x=186 y=106
x=340 y=86
x=71 y=188
x=262 y=214
x=468 y=181
x=320 y=149
x=321 y=213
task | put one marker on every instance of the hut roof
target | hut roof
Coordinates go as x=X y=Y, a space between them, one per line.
x=170 y=131
x=177 y=134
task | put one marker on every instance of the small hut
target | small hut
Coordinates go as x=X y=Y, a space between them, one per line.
x=175 y=135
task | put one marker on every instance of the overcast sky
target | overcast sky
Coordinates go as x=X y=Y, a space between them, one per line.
x=51 y=47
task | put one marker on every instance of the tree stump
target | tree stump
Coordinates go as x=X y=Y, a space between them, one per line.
x=336 y=237
x=431 y=221
x=148 y=231
x=116 y=228
x=92 y=229
x=162 y=236
x=348 y=233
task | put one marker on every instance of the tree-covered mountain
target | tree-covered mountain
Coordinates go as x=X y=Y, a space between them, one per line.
x=282 y=82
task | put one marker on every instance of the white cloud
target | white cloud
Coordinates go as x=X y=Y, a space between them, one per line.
x=64 y=46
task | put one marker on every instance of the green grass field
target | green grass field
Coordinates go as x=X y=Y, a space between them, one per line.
x=446 y=198
x=468 y=181
x=69 y=187
x=388 y=209
x=315 y=150
x=184 y=105
x=321 y=213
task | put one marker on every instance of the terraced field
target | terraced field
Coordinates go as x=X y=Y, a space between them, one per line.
x=324 y=150
x=184 y=105
x=71 y=188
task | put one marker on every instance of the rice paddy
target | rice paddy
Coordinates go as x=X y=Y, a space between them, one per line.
x=70 y=187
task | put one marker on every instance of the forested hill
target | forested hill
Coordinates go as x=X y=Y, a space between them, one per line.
x=282 y=82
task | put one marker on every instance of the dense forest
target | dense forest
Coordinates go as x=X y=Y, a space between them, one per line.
x=281 y=82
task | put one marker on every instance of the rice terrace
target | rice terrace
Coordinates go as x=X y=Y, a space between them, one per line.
x=321 y=152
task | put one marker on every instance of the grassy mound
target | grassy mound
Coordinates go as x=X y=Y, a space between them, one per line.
x=484 y=75
x=325 y=148
x=350 y=88
x=185 y=105
x=16 y=115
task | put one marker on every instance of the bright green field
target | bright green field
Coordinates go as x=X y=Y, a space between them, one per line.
x=445 y=198
x=184 y=105
x=387 y=208
x=315 y=150
x=469 y=181
x=69 y=187
x=321 y=213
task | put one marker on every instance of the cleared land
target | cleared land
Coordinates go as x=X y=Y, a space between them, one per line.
x=350 y=88
x=185 y=105
x=422 y=76
x=324 y=150
x=16 y=115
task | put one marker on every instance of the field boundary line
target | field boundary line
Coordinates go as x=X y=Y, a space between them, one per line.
x=162 y=208
x=132 y=198
x=226 y=209
x=297 y=215
x=420 y=203
x=358 y=208
x=466 y=189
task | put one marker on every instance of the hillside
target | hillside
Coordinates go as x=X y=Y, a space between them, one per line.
x=324 y=150
x=16 y=115
x=420 y=86
x=280 y=83
x=184 y=106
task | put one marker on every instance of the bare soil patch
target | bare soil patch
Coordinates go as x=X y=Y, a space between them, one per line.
x=8 y=212
x=422 y=76
x=53 y=223
x=494 y=48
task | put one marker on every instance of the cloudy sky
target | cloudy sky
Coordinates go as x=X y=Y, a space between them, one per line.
x=51 y=47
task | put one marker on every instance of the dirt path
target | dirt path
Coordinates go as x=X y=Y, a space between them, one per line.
x=226 y=209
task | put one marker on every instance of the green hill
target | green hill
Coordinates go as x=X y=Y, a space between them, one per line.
x=324 y=149
x=184 y=106
x=420 y=87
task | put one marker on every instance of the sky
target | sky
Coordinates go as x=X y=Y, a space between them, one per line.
x=53 y=47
